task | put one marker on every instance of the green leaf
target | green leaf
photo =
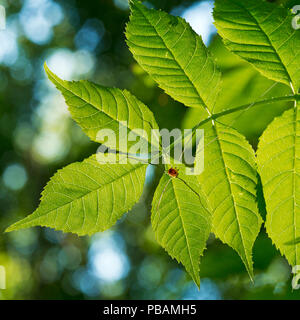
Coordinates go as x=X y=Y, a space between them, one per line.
x=181 y=219
x=87 y=197
x=278 y=159
x=261 y=33
x=174 y=56
x=95 y=107
x=229 y=181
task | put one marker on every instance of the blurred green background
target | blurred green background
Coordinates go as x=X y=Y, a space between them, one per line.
x=85 y=40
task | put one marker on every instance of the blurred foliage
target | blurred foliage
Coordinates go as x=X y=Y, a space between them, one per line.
x=85 y=39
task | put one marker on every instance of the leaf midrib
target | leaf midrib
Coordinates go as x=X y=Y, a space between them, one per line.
x=294 y=176
x=232 y=197
x=61 y=83
x=185 y=234
x=87 y=193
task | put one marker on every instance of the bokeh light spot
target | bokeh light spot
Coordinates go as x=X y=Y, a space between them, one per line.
x=67 y=64
x=199 y=16
x=38 y=17
x=89 y=36
x=9 y=49
x=208 y=291
x=108 y=261
x=15 y=177
x=122 y=4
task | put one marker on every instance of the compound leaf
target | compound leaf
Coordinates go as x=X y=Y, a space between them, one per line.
x=229 y=181
x=174 y=56
x=261 y=33
x=278 y=159
x=181 y=219
x=87 y=197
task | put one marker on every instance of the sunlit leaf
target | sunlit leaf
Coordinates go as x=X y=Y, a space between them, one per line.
x=87 y=197
x=174 y=55
x=229 y=181
x=181 y=219
x=261 y=33
x=278 y=159
x=95 y=107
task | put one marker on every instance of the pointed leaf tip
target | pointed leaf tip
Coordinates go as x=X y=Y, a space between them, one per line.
x=79 y=197
x=181 y=220
x=160 y=54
